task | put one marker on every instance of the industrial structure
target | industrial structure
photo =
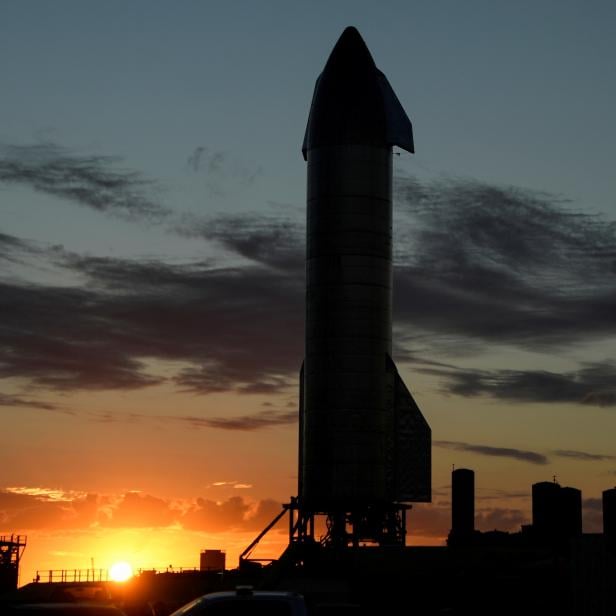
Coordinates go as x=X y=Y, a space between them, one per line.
x=462 y=504
x=11 y=549
x=557 y=512
x=212 y=560
x=364 y=446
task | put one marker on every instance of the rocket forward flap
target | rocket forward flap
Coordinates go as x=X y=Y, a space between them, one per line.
x=410 y=467
x=353 y=103
x=398 y=127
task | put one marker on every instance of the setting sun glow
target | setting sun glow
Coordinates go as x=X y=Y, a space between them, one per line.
x=120 y=572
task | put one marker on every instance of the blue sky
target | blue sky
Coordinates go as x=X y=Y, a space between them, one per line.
x=519 y=93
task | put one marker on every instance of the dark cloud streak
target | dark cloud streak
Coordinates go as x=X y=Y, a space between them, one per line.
x=592 y=384
x=582 y=456
x=257 y=421
x=92 y=181
x=274 y=242
x=221 y=323
x=9 y=400
x=502 y=452
x=502 y=264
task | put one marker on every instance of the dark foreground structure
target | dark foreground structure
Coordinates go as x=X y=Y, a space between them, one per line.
x=11 y=550
x=364 y=446
x=489 y=578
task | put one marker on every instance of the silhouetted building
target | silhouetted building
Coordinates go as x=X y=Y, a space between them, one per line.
x=545 y=507
x=609 y=517
x=557 y=513
x=462 y=506
x=570 y=514
x=212 y=560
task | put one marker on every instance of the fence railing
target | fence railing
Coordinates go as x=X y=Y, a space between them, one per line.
x=99 y=575
x=72 y=575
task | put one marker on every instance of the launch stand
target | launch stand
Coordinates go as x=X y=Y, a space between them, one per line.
x=364 y=445
x=375 y=526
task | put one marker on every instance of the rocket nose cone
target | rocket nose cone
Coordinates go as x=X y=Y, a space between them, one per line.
x=350 y=54
x=353 y=102
x=347 y=106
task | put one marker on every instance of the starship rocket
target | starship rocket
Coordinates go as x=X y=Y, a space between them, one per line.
x=364 y=445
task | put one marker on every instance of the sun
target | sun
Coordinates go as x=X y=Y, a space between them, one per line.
x=120 y=572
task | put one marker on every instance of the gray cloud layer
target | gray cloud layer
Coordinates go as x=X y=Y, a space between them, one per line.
x=592 y=384
x=503 y=265
x=91 y=181
x=222 y=321
x=475 y=265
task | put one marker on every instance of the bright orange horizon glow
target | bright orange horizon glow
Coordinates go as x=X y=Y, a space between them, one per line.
x=120 y=571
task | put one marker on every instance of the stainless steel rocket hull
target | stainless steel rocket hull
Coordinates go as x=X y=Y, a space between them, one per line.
x=363 y=440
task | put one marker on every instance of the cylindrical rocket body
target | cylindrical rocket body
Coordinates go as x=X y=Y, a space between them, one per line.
x=346 y=412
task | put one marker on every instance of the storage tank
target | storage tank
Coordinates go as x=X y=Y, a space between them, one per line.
x=212 y=560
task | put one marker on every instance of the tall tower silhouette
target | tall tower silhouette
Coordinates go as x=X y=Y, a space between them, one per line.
x=462 y=504
x=609 y=517
x=557 y=512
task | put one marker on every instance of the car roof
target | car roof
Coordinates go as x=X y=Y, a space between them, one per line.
x=251 y=594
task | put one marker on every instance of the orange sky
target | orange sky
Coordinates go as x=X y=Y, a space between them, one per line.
x=154 y=492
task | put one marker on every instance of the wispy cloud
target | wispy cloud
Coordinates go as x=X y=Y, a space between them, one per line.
x=273 y=241
x=12 y=249
x=237 y=485
x=46 y=494
x=244 y=423
x=592 y=384
x=582 y=456
x=502 y=452
x=9 y=400
x=256 y=421
x=499 y=518
x=96 y=182
x=500 y=495
x=502 y=265
x=219 y=321
x=222 y=170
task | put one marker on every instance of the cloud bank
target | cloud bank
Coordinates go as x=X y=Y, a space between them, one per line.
x=476 y=266
x=39 y=510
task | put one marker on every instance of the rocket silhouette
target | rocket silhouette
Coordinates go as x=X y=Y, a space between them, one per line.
x=363 y=440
